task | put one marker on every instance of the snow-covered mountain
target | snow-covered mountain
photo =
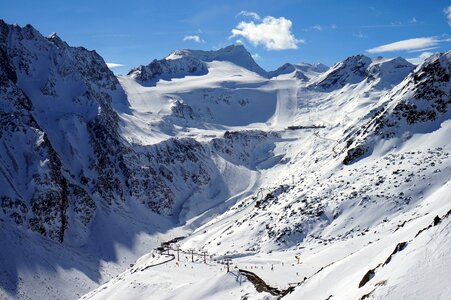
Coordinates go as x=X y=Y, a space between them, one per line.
x=186 y=62
x=302 y=71
x=346 y=168
x=360 y=68
x=55 y=99
x=418 y=105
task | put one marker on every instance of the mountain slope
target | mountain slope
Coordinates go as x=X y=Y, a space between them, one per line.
x=363 y=224
x=68 y=174
x=43 y=178
x=418 y=105
x=338 y=179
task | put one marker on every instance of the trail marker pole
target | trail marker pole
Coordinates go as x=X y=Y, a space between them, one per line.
x=178 y=252
x=228 y=262
x=205 y=256
x=298 y=258
x=192 y=254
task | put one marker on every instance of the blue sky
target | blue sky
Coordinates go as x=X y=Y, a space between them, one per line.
x=135 y=32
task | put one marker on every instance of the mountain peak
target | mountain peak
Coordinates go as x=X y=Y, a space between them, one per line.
x=235 y=53
x=183 y=62
x=389 y=71
x=27 y=32
x=54 y=38
x=53 y=35
x=304 y=71
x=351 y=70
x=383 y=72
x=207 y=54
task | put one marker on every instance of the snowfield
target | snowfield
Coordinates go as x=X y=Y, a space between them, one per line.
x=312 y=182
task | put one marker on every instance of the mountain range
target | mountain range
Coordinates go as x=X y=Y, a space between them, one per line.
x=346 y=167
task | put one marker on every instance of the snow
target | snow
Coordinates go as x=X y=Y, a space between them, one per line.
x=304 y=71
x=244 y=186
x=175 y=280
x=235 y=54
x=352 y=235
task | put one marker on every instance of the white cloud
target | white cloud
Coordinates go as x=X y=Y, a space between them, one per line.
x=194 y=38
x=447 y=12
x=359 y=35
x=425 y=55
x=272 y=33
x=376 y=12
x=255 y=56
x=114 y=65
x=317 y=28
x=423 y=49
x=414 y=60
x=251 y=14
x=412 y=22
x=406 y=45
x=422 y=57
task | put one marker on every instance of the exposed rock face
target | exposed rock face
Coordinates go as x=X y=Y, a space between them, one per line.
x=61 y=151
x=246 y=147
x=351 y=70
x=183 y=111
x=41 y=190
x=159 y=171
x=170 y=68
